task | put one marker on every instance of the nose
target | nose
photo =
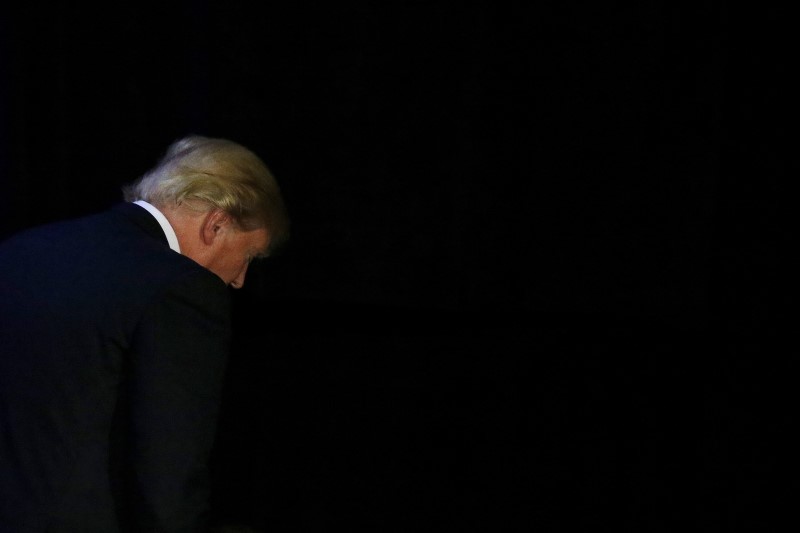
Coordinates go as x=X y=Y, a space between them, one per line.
x=239 y=280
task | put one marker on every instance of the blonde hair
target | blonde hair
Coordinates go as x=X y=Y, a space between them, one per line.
x=206 y=173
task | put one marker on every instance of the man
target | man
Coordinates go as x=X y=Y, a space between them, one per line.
x=113 y=340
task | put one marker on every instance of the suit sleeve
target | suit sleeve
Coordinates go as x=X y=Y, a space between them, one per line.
x=177 y=369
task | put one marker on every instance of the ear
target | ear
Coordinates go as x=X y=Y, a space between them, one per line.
x=214 y=224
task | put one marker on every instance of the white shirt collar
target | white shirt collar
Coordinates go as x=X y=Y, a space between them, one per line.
x=172 y=239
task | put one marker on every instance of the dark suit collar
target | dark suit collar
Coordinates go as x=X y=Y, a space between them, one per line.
x=144 y=220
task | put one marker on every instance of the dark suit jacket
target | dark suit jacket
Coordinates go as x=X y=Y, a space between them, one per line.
x=112 y=354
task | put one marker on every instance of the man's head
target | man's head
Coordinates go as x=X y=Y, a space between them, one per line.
x=221 y=199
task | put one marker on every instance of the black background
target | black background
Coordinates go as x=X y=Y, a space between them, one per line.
x=534 y=276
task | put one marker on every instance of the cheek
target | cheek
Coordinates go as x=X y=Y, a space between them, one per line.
x=242 y=264
x=231 y=264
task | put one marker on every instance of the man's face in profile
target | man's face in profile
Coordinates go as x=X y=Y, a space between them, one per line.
x=234 y=250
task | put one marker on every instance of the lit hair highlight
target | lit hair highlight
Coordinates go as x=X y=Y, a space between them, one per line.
x=205 y=173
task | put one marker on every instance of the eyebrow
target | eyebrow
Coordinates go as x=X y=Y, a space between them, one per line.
x=262 y=254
